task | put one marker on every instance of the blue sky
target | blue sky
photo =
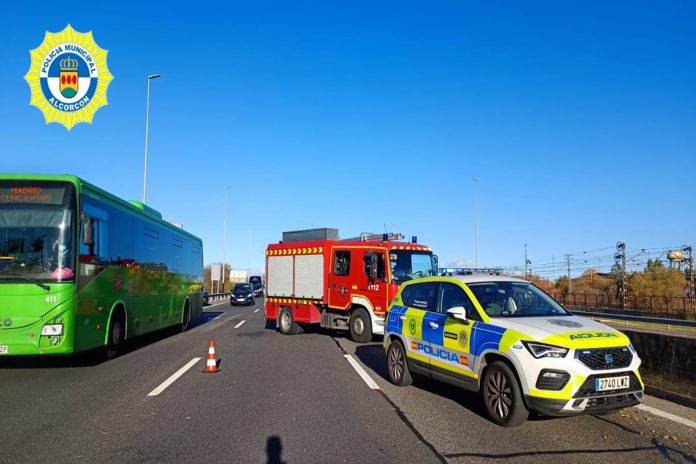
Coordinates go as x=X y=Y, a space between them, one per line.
x=577 y=117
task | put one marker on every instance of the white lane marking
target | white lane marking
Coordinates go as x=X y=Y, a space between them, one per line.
x=667 y=415
x=173 y=378
x=257 y=310
x=361 y=372
x=239 y=325
x=218 y=317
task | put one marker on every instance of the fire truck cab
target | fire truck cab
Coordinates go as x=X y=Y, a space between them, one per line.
x=341 y=284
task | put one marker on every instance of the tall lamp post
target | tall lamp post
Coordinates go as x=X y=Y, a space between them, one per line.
x=224 y=241
x=477 y=220
x=147 y=132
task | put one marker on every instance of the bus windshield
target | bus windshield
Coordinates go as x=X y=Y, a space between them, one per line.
x=36 y=231
x=407 y=264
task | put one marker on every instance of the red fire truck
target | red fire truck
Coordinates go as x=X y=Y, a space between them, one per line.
x=340 y=284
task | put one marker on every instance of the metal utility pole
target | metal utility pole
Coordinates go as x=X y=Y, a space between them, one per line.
x=147 y=133
x=620 y=259
x=689 y=252
x=526 y=261
x=224 y=242
x=478 y=184
x=570 y=281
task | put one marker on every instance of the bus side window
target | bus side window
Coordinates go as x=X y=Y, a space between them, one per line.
x=100 y=232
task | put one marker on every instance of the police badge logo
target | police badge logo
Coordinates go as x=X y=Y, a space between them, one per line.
x=564 y=323
x=68 y=77
x=463 y=339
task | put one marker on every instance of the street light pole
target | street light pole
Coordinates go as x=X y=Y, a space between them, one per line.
x=224 y=242
x=477 y=220
x=147 y=133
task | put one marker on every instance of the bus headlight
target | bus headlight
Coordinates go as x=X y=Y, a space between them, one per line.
x=50 y=330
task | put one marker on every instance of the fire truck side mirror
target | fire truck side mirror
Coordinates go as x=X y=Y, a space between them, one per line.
x=371 y=265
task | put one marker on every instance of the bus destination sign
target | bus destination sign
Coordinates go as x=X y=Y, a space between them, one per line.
x=32 y=194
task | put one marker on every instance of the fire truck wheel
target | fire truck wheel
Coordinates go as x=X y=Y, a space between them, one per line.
x=360 y=326
x=286 y=324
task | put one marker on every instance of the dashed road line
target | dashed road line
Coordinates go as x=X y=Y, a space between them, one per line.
x=239 y=325
x=361 y=372
x=667 y=415
x=257 y=310
x=173 y=378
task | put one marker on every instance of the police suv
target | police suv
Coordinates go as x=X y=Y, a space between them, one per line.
x=510 y=341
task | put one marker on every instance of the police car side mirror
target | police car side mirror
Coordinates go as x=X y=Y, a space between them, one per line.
x=457 y=312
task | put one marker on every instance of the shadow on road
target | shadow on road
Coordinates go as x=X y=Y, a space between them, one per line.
x=99 y=355
x=274 y=450
x=373 y=357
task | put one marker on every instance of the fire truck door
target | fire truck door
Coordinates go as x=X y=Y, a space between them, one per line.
x=340 y=279
x=373 y=281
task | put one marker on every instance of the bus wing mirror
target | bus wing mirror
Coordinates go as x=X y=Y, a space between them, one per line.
x=88 y=232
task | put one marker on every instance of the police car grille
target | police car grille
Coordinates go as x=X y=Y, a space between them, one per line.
x=608 y=358
x=588 y=387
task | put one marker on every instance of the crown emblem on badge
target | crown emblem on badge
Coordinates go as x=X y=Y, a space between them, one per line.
x=68 y=64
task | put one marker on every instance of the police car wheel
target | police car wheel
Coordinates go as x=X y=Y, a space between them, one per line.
x=360 y=328
x=502 y=397
x=397 y=365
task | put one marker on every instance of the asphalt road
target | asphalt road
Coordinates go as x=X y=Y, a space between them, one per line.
x=288 y=399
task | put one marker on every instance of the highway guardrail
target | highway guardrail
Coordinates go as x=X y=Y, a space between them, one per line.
x=627 y=317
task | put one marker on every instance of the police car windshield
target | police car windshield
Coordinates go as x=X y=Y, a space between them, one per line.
x=407 y=265
x=515 y=299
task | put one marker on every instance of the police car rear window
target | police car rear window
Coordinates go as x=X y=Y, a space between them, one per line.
x=406 y=295
x=423 y=296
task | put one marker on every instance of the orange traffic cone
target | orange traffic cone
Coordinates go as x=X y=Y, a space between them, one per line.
x=212 y=365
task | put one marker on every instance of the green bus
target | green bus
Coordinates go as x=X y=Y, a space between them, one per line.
x=81 y=268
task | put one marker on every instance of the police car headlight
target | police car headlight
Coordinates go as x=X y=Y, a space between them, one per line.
x=632 y=348
x=541 y=350
x=52 y=329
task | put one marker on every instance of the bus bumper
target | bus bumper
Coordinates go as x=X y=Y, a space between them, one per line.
x=28 y=341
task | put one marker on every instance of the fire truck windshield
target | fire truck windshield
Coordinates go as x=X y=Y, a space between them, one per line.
x=406 y=265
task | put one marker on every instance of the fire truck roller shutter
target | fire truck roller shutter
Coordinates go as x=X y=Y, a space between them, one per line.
x=309 y=276
x=279 y=278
